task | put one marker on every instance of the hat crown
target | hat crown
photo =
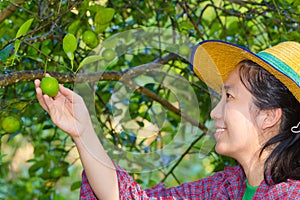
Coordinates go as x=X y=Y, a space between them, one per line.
x=213 y=60
x=288 y=53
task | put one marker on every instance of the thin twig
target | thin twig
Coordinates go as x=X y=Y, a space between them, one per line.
x=182 y=156
x=184 y=7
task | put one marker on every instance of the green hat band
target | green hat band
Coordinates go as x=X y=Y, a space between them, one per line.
x=280 y=66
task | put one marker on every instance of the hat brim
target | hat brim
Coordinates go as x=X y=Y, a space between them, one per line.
x=213 y=60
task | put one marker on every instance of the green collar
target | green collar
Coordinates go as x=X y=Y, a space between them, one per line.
x=250 y=191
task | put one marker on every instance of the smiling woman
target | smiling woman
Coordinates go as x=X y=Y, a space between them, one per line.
x=255 y=115
x=279 y=103
x=253 y=121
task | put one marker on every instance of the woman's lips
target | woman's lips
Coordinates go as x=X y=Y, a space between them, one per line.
x=219 y=132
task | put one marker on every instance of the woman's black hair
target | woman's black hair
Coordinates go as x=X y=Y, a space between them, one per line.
x=283 y=162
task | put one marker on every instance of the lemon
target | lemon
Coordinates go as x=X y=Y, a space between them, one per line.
x=56 y=172
x=49 y=86
x=108 y=54
x=11 y=124
x=184 y=50
x=90 y=38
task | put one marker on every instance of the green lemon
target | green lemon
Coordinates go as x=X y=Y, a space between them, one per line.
x=11 y=124
x=49 y=86
x=184 y=50
x=90 y=38
x=56 y=172
x=108 y=55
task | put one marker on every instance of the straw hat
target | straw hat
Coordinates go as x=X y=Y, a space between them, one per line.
x=213 y=60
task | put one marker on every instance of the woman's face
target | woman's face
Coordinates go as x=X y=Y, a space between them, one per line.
x=237 y=134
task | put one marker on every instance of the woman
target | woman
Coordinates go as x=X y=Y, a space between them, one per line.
x=254 y=119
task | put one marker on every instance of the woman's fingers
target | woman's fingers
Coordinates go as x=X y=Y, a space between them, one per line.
x=37 y=82
x=39 y=95
x=66 y=92
x=69 y=94
x=49 y=103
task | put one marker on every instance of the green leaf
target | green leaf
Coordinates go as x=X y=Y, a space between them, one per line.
x=104 y=15
x=69 y=45
x=17 y=45
x=37 y=166
x=24 y=28
x=186 y=25
x=296 y=3
x=89 y=60
x=99 y=28
x=4 y=53
x=47 y=47
x=290 y=1
x=59 y=197
x=74 y=27
x=70 y=55
x=75 y=185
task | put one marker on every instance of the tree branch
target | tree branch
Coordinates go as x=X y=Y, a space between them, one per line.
x=31 y=75
x=184 y=7
x=10 y=10
x=67 y=77
x=182 y=156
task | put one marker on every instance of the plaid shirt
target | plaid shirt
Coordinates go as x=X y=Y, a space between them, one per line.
x=227 y=184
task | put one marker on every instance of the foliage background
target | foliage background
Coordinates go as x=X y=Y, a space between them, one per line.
x=40 y=161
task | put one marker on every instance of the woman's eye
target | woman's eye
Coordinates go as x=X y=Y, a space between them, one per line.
x=228 y=95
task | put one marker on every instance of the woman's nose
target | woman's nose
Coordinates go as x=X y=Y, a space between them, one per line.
x=216 y=113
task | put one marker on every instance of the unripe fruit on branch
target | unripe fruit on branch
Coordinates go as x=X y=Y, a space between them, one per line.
x=49 y=86
x=11 y=124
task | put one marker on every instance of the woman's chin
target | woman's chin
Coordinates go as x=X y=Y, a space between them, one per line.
x=220 y=149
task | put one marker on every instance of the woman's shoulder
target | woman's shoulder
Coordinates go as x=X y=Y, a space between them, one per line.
x=288 y=185
x=289 y=189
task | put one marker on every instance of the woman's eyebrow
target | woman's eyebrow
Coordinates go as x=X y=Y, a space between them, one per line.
x=226 y=87
x=229 y=88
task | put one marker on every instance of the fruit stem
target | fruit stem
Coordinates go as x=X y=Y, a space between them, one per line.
x=45 y=68
x=72 y=65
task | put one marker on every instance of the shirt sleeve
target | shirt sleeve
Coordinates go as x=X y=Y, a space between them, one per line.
x=129 y=189
x=86 y=192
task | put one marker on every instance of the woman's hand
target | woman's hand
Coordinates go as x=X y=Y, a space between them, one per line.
x=67 y=110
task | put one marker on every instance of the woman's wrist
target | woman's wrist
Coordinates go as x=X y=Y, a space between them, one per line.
x=84 y=135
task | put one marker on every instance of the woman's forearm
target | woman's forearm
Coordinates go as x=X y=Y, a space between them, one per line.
x=68 y=112
x=98 y=166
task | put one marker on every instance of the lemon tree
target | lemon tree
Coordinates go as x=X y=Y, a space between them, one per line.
x=60 y=36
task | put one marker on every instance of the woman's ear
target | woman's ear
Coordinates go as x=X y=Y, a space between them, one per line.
x=269 y=118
